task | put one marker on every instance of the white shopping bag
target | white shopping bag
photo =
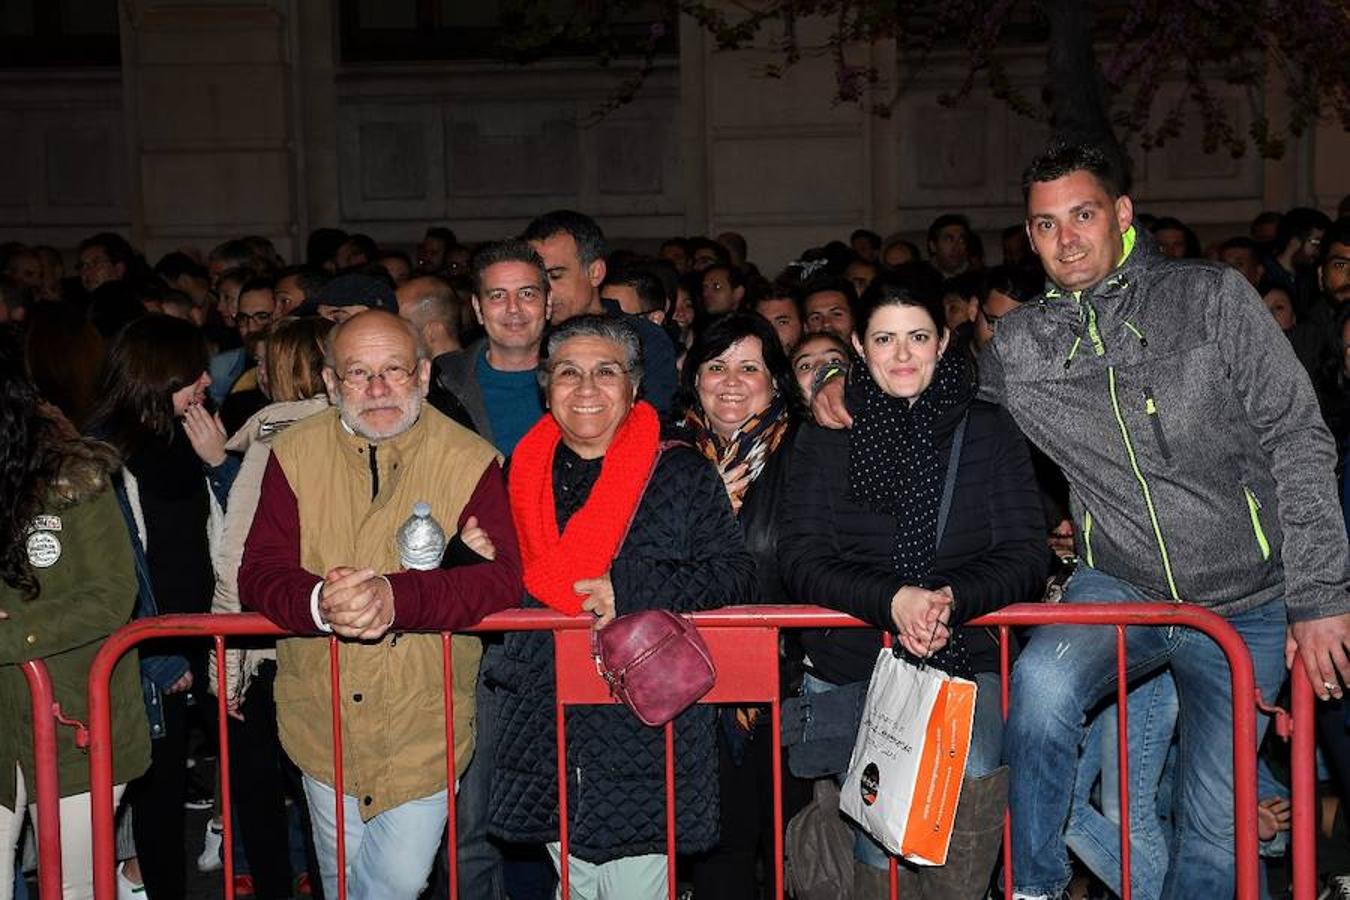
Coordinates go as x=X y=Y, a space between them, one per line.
x=904 y=778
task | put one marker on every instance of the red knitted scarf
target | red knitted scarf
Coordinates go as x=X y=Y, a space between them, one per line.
x=591 y=539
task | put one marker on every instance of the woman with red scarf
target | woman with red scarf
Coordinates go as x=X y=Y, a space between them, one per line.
x=611 y=521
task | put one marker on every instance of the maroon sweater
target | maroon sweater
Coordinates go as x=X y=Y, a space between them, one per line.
x=272 y=581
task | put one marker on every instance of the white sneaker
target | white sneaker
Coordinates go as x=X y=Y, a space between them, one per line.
x=210 y=860
x=126 y=890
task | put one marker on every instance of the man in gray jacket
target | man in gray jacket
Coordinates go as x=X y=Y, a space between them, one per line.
x=1201 y=472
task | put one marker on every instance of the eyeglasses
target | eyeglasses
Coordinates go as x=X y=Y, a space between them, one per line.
x=262 y=318
x=358 y=378
x=604 y=375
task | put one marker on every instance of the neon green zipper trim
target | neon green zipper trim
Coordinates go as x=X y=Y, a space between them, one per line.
x=1073 y=351
x=1087 y=536
x=1134 y=331
x=1254 y=508
x=1143 y=485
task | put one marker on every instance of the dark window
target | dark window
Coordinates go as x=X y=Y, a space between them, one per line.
x=412 y=30
x=36 y=33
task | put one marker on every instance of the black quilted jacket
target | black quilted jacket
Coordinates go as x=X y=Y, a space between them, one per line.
x=837 y=553
x=684 y=552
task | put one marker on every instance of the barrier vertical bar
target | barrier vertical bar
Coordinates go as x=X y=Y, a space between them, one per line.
x=563 y=843
x=776 y=722
x=452 y=832
x=1303 y=783
x=46 y=787
x=339 y=790
x=222 y=727
x=670 y=808
x=1123 y=754
x=1005 y=678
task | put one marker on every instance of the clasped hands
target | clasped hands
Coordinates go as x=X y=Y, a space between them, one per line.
x=357 y=603
x=922 y=618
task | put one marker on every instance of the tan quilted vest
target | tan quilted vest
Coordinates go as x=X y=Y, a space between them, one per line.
x=393 y=713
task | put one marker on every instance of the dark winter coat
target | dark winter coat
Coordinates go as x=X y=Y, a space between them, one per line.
x=837 y=553
x=683 y=552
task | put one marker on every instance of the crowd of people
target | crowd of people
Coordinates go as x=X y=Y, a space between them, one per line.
x=380 y=446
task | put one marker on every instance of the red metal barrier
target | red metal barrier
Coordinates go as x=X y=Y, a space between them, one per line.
x=47 y=789
x=744 y=642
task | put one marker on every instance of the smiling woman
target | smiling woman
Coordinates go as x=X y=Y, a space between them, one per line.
x=864 y=531
x=611 y=521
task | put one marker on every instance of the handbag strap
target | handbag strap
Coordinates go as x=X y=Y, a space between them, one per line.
x=953 y=463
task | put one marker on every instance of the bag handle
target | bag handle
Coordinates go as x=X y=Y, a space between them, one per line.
x=949 y=486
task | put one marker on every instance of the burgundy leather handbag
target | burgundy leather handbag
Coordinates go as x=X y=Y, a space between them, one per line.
x=655 y=663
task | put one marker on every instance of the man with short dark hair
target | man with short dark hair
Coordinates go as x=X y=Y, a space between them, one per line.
x=781 y=305
x=827 y=305
x=1333 y=272
x=1294 y=253
x=1176 y=410
x=1243 y=254
x=723 y=289
x=494 y=377
x=295 y=285
x=572 y=247
x=102 y=258
x=432 y=248
x=949 y=244
x=25 y=268
x=1265 y=226
x=635 y=291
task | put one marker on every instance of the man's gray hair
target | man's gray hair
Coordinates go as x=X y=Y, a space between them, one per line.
x=606 y=328
x=330 y=345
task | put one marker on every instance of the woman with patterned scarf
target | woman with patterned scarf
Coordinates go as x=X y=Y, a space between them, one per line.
x=741 y=409
x=861 y=534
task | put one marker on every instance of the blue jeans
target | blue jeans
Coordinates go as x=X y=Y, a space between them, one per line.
x=1094 y=836
x=986 y=750
x=389 y=857
x=1065 y=671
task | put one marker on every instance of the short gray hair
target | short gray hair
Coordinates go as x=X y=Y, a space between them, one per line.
x=606 y=328
x=330 y=345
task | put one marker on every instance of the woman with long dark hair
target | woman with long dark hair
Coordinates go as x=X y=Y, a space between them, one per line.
x=67 y=581
x=151 y=411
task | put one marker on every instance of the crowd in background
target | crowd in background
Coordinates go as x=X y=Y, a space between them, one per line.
x=189 y=368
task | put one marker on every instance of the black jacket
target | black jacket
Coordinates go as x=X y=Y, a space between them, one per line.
x=837 y=553
x=683 y=552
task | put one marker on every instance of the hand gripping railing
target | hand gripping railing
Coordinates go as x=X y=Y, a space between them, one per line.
x=744 y=643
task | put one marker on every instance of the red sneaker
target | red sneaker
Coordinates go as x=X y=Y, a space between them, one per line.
x=243 y=886
x=302 y=886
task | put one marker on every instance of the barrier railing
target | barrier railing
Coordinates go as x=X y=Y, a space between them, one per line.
x=744 y=644
x=46 y=789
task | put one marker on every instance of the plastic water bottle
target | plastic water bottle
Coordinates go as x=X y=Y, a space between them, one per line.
x=421 y=539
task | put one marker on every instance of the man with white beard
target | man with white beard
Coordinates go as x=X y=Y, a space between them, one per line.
x=323 y=558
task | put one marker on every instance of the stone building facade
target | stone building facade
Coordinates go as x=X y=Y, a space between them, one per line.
x=223 y=117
